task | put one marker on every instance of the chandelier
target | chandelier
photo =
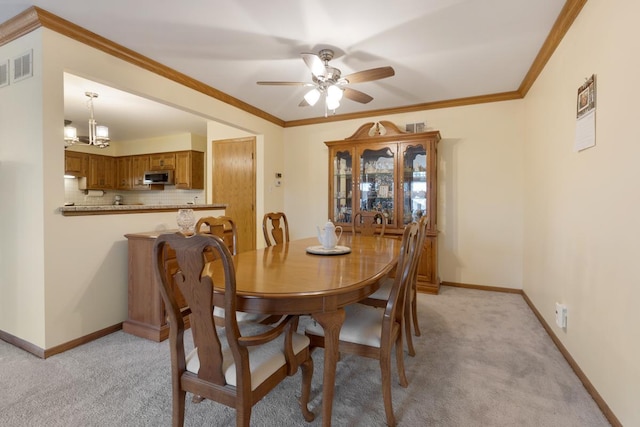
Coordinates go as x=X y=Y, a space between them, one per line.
x=98 y=135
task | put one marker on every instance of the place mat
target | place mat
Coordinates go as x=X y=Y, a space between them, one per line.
x=319 y=250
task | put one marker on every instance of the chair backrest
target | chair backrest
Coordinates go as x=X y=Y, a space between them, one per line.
x=221 y=226
x=407 y=264
x=218 y=368
x=275 y=224
x=198 y=291
x=368 y=223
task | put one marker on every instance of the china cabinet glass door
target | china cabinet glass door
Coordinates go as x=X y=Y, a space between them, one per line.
x=377 y=182
x=342 y=186
x=414 y=183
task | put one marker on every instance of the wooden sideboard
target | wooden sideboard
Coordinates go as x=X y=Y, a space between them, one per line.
x=146 y=315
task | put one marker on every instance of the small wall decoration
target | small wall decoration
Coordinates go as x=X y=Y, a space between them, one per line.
x=586 y=97
x=586 y=115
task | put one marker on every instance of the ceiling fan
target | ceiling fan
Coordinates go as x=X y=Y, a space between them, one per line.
x=328 y=81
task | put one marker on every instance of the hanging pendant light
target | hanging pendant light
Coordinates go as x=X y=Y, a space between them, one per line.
x=98 y=135
x=70 y=134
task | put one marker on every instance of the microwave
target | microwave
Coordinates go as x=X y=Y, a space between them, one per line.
x=158 y=177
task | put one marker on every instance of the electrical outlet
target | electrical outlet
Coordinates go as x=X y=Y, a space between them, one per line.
x=561 y=315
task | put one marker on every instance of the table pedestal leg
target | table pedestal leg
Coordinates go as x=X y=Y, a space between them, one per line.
x=331 y=322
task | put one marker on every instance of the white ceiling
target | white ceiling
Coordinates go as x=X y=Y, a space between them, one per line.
x=440 y=49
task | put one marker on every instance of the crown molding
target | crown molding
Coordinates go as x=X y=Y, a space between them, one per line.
x=35 y=17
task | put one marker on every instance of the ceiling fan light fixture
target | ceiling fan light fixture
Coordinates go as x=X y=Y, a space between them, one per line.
x=312 y=96
x=334 y=93
x=332 y=103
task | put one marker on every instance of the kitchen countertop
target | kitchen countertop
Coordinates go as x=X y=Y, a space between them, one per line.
x=128 y=209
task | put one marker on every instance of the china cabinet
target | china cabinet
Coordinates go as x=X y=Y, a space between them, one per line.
x=380 y=168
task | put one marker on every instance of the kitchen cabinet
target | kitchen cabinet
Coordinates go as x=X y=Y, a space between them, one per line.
x=380 y=168
x=100 y=173
x=162 y=161
x=76 y=163
x=123 y=173
x=127 y=172
x=139 y=165
x=189 y=173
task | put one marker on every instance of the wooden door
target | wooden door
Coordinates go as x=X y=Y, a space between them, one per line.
x=234 y=183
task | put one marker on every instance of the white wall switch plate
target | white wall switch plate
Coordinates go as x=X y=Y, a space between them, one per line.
x=561 y=315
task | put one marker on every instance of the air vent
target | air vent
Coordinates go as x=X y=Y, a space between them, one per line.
x=23 y=66
x=415 y=127
x=4 y=73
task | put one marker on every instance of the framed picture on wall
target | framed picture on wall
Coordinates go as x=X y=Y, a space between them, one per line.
x=586 y=97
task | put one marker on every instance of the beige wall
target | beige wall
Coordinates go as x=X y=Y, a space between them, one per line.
x=479 y=188
x=22 y=172
x=65 y=277
x=581 y=223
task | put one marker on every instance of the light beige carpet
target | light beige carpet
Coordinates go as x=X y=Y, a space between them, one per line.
x=483 y=360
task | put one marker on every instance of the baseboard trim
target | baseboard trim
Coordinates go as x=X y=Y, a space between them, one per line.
x=606 y=411
x=22 y=344
x=43 y=354
x=482 y=287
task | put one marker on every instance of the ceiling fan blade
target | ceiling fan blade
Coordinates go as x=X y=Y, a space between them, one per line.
x=356 y=95
x=369 y=75
x=286 y=83
x=314 y=63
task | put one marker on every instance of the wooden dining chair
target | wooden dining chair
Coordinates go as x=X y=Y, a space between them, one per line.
x=221 y=226
x=380 y=297
x=225 y=228
x=368 y=223
x=236 y=365
x=275 y=227
x=370 y=332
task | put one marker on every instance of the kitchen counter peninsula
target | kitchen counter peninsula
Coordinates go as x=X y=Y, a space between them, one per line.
x=130 y=209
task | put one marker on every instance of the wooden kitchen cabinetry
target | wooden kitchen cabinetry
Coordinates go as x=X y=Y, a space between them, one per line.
x=76 y=163
x=139 y=165
x=100 y=173
x=380 y=168
x=162 y=161
x=123 y=173
x=189 y=173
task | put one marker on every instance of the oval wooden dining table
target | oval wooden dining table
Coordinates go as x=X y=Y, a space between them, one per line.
x=285 y=279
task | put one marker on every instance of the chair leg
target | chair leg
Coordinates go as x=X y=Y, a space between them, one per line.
x=179 y=397
x=307 y=374
x=243 y=415
x=406 y=326
x=385 y=369
x=402 y=376
x=414 y=313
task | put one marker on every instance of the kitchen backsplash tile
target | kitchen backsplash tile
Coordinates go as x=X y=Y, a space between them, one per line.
x=168 y=196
